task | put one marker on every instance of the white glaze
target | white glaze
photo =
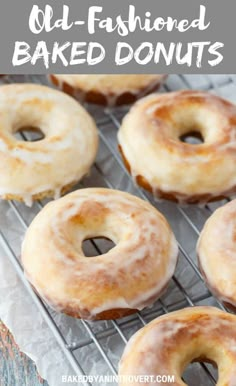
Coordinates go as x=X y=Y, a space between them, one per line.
x=63 y=157
x=169 y=165
x=169 y=343
x=145 y=246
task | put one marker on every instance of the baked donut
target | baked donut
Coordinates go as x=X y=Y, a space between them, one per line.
x=130 y=276
x=45 y=168
x=216 y=251
x=149 y=140
x=169 y=343
x=108 y=90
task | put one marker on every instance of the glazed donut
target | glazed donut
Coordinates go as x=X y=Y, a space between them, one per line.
x=45 y=168
x=169 y=343
x=149 y=141
x=216 y=251
x=130 y=276
x=108 y=90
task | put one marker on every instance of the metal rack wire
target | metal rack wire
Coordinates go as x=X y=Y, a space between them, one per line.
x=186 y=288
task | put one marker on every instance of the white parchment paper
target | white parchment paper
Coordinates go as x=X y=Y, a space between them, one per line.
x=30 y=331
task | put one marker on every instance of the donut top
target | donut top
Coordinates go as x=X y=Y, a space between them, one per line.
x=153 y=129
x=169 y=343
x=130 y=275
x=61 y=157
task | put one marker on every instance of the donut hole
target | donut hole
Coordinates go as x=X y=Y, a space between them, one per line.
x=29 y=133
x=195 y=124
x=95 y=246
x=195 y=374
x=193 y=137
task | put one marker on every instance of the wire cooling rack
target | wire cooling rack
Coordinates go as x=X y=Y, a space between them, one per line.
x=109 y=338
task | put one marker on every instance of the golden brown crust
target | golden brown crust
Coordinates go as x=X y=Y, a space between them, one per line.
x=171 y=196
x=216 y=254
x=100 y=98
x=229 y=304
x=40 y=196
x=113 y=313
